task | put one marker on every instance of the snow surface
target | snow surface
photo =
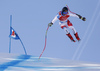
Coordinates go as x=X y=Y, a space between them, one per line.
x=15 y=62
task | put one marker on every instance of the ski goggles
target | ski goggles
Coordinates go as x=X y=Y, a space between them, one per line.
x=65 y=12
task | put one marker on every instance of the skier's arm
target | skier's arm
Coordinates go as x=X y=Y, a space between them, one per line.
x=78 y=16
x=53 y=21
x=73 y=15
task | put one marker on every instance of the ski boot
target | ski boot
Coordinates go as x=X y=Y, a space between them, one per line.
x=69 y=35
x=77 y=37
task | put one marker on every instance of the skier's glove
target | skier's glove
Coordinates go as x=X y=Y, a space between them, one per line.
x=83 y=18
x=80 y=17
x=50 y=24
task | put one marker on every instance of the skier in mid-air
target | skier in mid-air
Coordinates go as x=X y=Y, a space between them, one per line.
x=62 y=16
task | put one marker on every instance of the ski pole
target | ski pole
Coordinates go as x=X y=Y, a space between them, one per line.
x=69 y=9
x=45 y=42
x=75 y=13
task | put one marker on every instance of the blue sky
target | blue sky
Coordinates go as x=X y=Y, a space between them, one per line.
x=30 y=19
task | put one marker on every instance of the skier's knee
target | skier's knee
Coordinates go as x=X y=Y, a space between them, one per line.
x=63 y=27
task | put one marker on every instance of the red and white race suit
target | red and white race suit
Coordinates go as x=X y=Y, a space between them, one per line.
x=64 y=22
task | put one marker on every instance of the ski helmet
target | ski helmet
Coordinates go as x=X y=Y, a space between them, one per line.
x=64 y=10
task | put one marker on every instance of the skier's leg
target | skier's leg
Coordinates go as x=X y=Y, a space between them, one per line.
x=75 y=33
x=69 y=35
x=67 y=32
x=77 y=37
x=65 y=29
x=70 y=25
x=64 y=26
x=73 y=29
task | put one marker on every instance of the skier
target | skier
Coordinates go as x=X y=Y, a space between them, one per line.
x=62 y=16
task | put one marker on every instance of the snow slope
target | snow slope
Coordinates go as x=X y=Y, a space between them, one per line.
x=15 y=62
